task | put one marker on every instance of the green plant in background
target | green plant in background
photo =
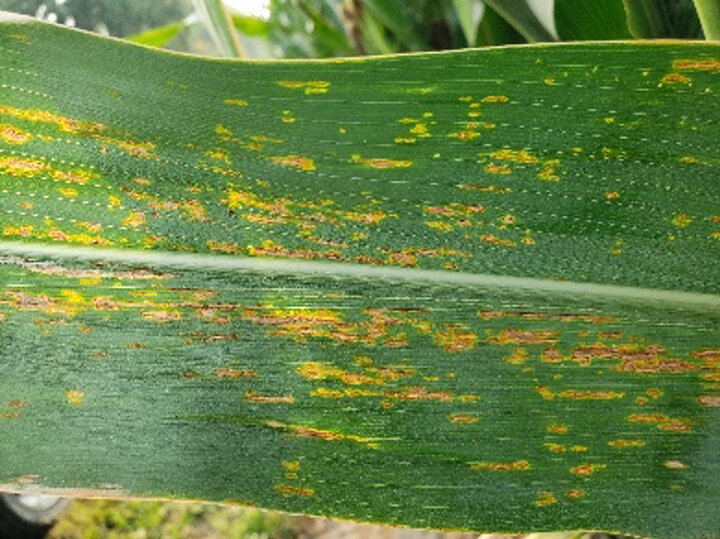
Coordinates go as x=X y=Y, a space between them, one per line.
x=469 y=290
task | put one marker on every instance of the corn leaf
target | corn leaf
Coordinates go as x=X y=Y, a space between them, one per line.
x=591 y=20
x=469 y=290
x=709 y=14
x=158 y=37
x=519 y=15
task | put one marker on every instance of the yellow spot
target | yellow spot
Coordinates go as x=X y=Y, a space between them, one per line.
x=654 y=392
x=609 y=120
x=555 y=448
x=682 y=220
x=545 y=392
x=557 y=428
x=455 y=338
x=269 y=399
x=68 y=192
x=674 y=78
x=162 y=317
x=322 y=371
x=697 y=65
x=519 y=336
x=342 y=130
x=310 y=86
x=67 y=125
x=297 y=161
x=380 y=163
x=74 y=397
x=590 y=395
x=621 y=443
x=236 y=102
x=420 y=129
x=230 y=372
x=326 y=393
x=675 y=465
x=464 y=135
x=14 y=135
x=545 y=498
x=135 y=219
x=465 y=98
x=512 y=466
x=515 y=156
x=579 y=448
x=507 y=219
x=495 y=99
x=517 y=357
x=587 y=469
x=404 y=140
x=439 y=225
x=612 y=195
x=550 y=81
x=575 y=493
x=293 y=490
x=548 y=171
x=463 y=418
x=219 y=154
x=291 y=465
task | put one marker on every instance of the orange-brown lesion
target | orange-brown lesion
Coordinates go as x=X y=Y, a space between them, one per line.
x=11 y=134
x=507 y=466
x=708 y=64
x=521 y=336
x=294 y=490
x=380 y=162
x=232 y=373
x=662 y=421
x=622 y=443
x=455 y=338
x=300 y=162
x=252 y=396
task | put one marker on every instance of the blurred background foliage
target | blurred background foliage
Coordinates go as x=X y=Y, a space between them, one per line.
x=328 y=28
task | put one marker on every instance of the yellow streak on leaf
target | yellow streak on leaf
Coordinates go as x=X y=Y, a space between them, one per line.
x=297 y=161
x=14 y=135
x=380 y=163
x=512 y=466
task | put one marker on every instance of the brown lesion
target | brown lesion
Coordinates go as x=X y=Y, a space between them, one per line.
x=521 y=336
x=232 y=373
x=507 y=466
x=662 y=421
x=252 y=396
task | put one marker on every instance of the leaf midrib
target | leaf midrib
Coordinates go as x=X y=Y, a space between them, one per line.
x=709 y=303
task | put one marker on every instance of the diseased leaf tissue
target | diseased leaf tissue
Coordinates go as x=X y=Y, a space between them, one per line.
x=407 y=397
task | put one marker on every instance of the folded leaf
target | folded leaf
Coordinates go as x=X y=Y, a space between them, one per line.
x=471 y=290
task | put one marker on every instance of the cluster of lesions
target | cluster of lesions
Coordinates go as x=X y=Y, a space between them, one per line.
x=293 y=483
x=681 y=75
x=379 y=327
x=143 y=293
x=472 y=126
x=478 y=224
x=318 y=223
x=52 y=126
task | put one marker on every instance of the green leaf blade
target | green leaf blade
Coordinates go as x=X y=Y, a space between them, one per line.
x=580 y=21
x=157 y=37
x=263 y=291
